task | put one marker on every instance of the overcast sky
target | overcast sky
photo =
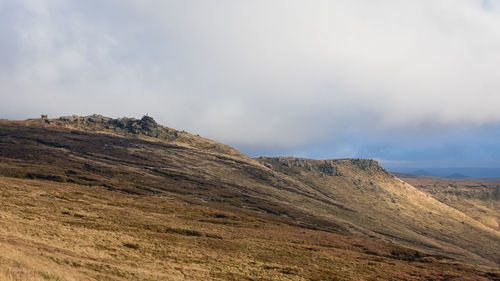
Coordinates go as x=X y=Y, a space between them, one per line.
x=411 y=83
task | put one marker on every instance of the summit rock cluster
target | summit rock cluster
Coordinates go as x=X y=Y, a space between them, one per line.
x=146 y=126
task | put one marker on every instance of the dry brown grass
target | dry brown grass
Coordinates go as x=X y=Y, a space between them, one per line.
x=84 y=205
x=117 y=236
x=478 y=198
x=380 y=205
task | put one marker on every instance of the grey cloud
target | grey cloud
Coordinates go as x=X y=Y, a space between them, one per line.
x=255 y=73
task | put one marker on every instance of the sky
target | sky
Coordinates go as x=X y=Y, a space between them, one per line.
x=410 y=83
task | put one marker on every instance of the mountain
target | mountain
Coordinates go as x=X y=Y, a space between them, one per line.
x=130 y=199
x=422 y=173
x=457 y=176
x=475 y=172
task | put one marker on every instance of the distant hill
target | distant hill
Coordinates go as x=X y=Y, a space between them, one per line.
x=422 y=173
x=457 y=176
x=453 y=172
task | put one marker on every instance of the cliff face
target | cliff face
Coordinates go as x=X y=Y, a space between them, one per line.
x=138 y=156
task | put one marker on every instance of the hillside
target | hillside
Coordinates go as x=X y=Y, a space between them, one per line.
x=138 y=193
x=478 y=198
x=61 y=231
x=383 y=206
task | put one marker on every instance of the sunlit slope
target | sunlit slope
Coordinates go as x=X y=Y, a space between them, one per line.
x=140 y=164
x=353 y=197
x=64 y=231
x=477 y=198
x=384 y=206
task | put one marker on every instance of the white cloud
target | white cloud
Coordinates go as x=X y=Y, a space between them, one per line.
x=256 y=73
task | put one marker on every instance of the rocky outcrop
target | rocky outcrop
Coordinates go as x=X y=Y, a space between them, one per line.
x=332 y=167
x=146 y=126
x=365 y=164
x=327 y=167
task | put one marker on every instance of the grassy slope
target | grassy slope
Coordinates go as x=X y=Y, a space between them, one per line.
x=386 y=207
x=202 y=172
x=62 y=231
x=478 y=199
